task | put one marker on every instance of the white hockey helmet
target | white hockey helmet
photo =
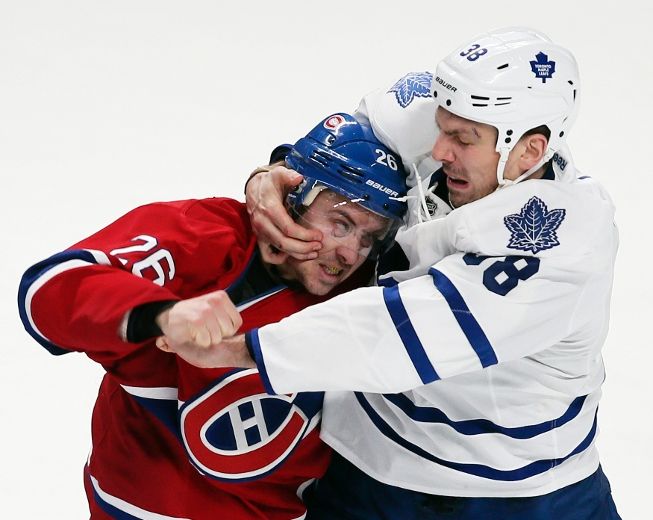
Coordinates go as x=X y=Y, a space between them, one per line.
x=514 y=79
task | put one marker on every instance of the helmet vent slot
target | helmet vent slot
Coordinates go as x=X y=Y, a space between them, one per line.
x=495 y=102
x=352 y=173
x=321 y=158
x=502 y=66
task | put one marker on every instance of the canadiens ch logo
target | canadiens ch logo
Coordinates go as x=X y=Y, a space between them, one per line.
x=534 y=227
x=412 y=85
x=334 y=122
x=236 y=431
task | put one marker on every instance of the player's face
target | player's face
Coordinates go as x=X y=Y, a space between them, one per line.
x=349 y=232
x=467 y=152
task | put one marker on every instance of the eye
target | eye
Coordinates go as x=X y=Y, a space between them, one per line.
x=341 y=228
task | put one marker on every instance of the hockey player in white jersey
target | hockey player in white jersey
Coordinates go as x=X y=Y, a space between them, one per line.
x=476 y=372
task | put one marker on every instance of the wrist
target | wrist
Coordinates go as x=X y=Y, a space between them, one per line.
x=264 y=169
x=240 y=352
x=146 y=321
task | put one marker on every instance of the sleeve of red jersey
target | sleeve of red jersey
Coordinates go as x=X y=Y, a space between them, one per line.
x=77 y=300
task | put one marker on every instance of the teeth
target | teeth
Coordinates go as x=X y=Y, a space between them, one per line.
x=331 y=270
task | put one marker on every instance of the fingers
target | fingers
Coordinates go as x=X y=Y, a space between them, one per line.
x=280 y=231
x=270 y=254
x=202 y=321
x=226 y=315
x=163 y=344
x=203 y=337
x=266 y=193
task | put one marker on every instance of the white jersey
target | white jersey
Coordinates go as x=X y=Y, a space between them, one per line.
x=478 y=373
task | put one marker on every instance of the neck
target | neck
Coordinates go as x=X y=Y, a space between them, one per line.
x=539 y=173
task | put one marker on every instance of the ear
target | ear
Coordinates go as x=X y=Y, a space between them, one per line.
x=533 y=147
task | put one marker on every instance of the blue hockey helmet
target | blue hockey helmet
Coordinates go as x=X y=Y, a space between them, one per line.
x=343 y=155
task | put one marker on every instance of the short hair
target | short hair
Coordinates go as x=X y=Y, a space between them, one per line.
x=542 y=129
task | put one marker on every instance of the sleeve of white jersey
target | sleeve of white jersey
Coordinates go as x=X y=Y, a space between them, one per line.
x=468 y=313
x=391 y=339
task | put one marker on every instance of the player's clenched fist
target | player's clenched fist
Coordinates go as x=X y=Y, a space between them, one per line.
x=193 y=328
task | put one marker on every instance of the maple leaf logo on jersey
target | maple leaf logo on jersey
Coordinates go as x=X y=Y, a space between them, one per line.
x=534 y=228
x=412 y=85
x=542 y=67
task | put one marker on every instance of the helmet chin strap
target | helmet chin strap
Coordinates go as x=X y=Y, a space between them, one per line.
x=502 y=182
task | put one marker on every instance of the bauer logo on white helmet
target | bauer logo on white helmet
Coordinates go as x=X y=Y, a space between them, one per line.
x=446 y=85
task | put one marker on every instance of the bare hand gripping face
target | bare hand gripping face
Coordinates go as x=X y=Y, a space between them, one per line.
x=279 y=236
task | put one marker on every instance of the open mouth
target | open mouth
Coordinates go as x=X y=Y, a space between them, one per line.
x=456 y=183
x=332 y=270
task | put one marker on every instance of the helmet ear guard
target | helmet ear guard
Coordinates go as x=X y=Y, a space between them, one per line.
x=514 y=79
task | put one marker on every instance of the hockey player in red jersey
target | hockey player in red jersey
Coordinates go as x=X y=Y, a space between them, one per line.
x=171 y=440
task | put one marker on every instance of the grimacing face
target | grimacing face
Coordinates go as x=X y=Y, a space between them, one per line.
x=469 y=159
x=348 y=231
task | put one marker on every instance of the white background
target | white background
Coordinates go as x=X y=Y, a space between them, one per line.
x=107 y=105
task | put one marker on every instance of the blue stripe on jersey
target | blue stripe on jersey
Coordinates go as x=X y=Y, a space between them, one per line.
x=470 y=327
x=112 y=511
x=165 y=410
x=387 y=282
x=408 y=336
x=479 y=470
x=254 y=345
x=481 y=426
x=31 y=276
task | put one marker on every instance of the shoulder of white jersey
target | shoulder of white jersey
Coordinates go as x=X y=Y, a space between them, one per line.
x=565 y=171
x=403 y=118
x=572 y=220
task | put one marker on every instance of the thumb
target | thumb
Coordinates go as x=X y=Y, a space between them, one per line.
x=290 y=177
x=162 y=344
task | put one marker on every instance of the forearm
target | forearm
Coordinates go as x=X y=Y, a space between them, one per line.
x=347 y=343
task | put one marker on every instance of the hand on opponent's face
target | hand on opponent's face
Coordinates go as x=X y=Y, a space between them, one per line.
x=278 y=235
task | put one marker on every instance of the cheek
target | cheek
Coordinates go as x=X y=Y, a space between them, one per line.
x=329 y=243
x=300 y=270
x=359 y=261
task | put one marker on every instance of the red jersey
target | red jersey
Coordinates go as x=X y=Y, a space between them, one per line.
x=170 y=440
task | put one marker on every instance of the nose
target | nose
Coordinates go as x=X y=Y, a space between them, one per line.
x=441 y=151
x=348 y=250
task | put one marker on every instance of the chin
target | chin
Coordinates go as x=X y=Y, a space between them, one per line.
x=320 y=290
